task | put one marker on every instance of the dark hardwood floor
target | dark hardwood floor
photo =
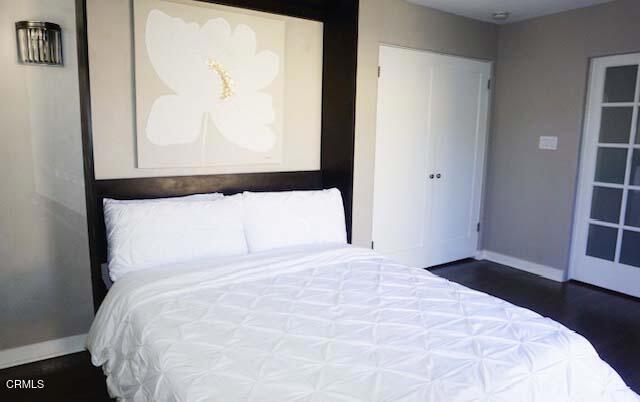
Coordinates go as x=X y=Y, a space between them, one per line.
x=609 y=320
x=70 y=378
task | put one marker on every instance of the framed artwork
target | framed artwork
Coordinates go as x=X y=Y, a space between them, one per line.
x=209 y=85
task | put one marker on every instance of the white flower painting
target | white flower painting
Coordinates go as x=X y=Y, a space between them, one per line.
x=217 y=106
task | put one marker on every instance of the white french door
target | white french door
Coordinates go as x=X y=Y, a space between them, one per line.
x=606 y=244
x=429 y=162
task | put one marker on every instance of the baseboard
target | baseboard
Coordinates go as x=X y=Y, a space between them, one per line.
x=41 y=351
x=523 y=265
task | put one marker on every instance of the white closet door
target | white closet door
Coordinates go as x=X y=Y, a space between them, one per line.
x=606 y=241
x=403 y=163
x=430 y=144
x=459 y=110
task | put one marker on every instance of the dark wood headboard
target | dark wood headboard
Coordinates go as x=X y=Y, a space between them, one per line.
x=340 y=21
x=159 y=187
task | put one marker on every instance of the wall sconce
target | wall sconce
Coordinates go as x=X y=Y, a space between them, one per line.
x=39 y=43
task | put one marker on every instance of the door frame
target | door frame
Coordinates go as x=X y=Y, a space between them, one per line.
x=581 y=182
x=485 y=145
x=587 y=161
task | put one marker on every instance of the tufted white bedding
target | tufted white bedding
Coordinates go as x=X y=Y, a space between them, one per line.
x=333 y=324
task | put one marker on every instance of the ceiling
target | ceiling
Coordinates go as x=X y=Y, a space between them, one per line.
x=519 y=9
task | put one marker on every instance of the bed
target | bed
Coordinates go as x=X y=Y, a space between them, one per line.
x=332 y=323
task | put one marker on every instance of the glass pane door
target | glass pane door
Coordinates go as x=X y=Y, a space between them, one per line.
x=606 y=248
x=614 y=196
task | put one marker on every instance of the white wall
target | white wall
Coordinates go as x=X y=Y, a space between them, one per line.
x=45 y=288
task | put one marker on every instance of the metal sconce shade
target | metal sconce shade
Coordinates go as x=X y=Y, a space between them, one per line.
x=39 y=43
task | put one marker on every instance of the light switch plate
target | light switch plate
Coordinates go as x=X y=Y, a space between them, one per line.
x=550 y=143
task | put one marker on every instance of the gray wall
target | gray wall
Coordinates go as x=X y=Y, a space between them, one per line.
x=540 y=90
x=397 y=22
x=45 y=290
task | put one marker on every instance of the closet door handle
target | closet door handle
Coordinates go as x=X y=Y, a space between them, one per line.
x=431 y=176
x=438 y=176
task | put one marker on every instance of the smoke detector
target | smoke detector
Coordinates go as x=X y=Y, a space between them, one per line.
x=501 y=15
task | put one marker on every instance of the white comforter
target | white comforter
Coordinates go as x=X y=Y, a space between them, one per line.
x=340 y=324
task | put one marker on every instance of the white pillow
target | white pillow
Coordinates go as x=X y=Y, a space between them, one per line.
x=194 y=197
x=150 y=234
x=292 y=218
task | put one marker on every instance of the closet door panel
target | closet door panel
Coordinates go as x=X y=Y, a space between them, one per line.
x=459 y=121
x=430 y=142
x=402 y=164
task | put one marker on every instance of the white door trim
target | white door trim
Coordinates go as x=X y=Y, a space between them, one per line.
x=582 y=180
x=416 y=49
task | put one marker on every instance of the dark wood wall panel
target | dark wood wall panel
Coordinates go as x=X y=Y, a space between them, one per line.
x=157 y=187
x=339 y=101
x=93 y=219
x=307 y=9
x=340 y=19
